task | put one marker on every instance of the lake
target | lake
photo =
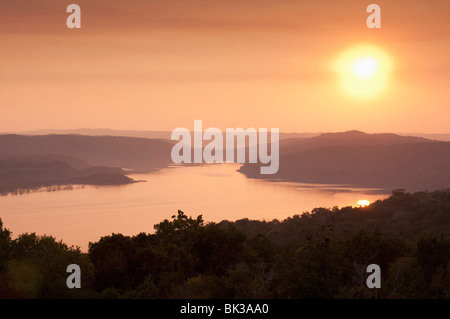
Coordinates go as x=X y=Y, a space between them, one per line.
x=217 y=192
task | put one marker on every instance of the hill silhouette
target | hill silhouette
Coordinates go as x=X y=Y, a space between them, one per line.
x=354 y=158
x=368 y=160
x=34 y=172
x=139 y=154
x=166 y=134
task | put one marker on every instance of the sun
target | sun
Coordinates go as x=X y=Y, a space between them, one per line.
x=363 y=203
x=363 y=71
x=365 y=67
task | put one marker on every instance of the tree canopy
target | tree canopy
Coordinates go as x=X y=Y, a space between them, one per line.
x=319 y=254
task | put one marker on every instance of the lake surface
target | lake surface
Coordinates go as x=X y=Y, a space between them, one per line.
x=217 y=192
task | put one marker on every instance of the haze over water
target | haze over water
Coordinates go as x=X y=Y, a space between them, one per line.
x=218 y=192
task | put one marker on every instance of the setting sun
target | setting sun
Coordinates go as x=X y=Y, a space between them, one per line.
x=363 y=203
x=363 y=71
x=365 y=67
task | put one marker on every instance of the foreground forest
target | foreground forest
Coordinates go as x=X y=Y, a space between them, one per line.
x=319 y=254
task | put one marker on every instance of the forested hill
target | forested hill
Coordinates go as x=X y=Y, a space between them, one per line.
x=22 y=174
x=320 y=254
x=141 y=154
x=386 y=161
x=353 y=158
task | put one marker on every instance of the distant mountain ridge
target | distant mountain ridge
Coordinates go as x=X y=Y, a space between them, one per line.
x=166 y=134
x=348 y=138
x=31 y=162
x=387 y=161
x=140 y=154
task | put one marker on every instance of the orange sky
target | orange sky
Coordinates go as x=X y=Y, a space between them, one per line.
x=158 y=65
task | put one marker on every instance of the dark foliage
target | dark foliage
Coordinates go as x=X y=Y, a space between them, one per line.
x=322 y=254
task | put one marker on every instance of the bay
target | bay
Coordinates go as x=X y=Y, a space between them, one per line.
x=218 y=192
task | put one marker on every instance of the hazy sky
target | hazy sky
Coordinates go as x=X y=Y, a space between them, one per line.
x=160 y=64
